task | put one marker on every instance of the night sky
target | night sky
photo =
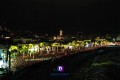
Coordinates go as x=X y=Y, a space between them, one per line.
x=48 y=16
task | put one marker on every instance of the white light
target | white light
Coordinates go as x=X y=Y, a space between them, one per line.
x=1 y=64
x=7 y=37
x=31 y=50
x=36 y=47
x=111 y=44
x=87 y=45
x=70 y=47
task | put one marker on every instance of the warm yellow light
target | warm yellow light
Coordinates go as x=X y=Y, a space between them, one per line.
x=30 y=45
x=7 y=37
x=13 y=48
x=55 y=44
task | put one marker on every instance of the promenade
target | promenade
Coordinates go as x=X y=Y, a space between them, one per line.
x=80 y=66
x=21 y=62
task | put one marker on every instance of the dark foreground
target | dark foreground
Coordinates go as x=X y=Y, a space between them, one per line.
x=100 y=64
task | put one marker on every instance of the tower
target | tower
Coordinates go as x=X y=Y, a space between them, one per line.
x=61 y=32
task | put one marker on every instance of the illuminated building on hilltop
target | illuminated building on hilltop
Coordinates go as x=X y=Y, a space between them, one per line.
x=60 y=36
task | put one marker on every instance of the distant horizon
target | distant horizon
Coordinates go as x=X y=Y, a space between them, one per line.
x=65 y=32
x=73 y=28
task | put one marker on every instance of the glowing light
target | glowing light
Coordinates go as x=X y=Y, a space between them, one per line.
x=65 y=46
x=36 y=47
x=41 y=44
x=30 y=45
x=77 y=45
x=1 y=63
x=70 y=47
x=61 y=32
x=87 y=45
x=13 y=48
x=32 y=50
x=7 y=37
x=55 y=44
x=111 y=44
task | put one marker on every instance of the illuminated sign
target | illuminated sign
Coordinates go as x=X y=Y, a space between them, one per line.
x=60 y=68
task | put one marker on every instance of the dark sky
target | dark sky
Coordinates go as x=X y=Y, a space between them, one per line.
x=47 y=16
